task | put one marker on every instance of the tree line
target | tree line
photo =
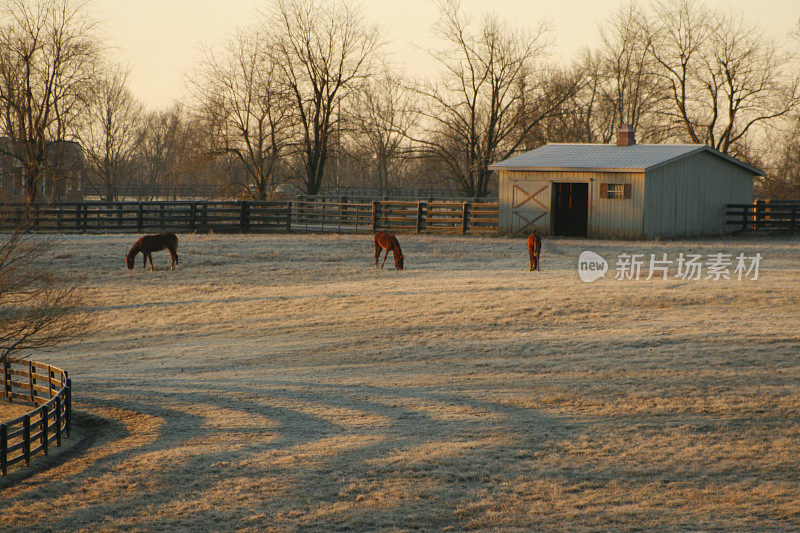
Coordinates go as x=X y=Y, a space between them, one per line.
x=308 y=95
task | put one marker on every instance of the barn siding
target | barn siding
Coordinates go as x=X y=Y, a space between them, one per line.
x=608 y=218
x=688 y=197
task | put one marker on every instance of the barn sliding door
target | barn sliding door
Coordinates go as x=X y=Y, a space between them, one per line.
x=530 y=208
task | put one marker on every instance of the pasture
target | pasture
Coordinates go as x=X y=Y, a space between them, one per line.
x=280 y=382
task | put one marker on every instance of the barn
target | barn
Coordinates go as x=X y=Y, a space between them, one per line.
x=623 y=190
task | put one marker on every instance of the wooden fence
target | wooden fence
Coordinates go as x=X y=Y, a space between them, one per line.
x=40 y=385
x=764 y=215
x=251 y=217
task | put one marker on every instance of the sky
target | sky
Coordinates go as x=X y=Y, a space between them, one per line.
x=160 y=40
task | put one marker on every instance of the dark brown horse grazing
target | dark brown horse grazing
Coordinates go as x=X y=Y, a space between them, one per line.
x=154 y=243
x=387 y=241
x=534 y=246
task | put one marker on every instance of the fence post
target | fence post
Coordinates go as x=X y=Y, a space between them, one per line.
x=193 y=217
x=3 y=449
x=31 y=381
x=759 y=213
x=45 y=418
x=7 y=379
x=794 y=218
x=85 y=217
x=140 y=217
x=744 y=217
x=58 y=420
x=161 y=205
x=26 y=439
x=374 y=216
x=243 y=216
x=419 y=216
x=464 y=217
x=68 y=408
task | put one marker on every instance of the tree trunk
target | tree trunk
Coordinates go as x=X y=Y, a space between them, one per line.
x=31 y=184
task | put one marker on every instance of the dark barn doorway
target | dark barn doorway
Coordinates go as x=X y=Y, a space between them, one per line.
x=570 y=209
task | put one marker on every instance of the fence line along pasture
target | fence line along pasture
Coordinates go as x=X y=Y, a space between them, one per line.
x=254 y=216
x=764 y=215
x=41 y=385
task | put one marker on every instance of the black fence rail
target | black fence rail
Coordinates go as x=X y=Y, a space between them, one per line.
x=253 y=217
x=764 y=215
x=49 y=390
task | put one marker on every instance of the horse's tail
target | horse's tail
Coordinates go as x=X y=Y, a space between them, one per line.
x=174 y=250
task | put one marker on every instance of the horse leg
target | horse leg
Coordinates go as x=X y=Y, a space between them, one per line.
x=377 y=253
x=384 y=258
x=144 y=258
x=174 y=258
x=152 y=268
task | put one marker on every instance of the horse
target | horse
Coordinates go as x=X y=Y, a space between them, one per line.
x=534 y=246
x=154 y=243
x=387 y=241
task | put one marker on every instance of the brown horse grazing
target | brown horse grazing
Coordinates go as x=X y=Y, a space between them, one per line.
x=154 y=243
x=387 y=241
x=534 y=246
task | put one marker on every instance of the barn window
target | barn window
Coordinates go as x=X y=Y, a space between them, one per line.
x=615 y=191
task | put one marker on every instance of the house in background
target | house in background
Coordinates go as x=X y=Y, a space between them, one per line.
x=627 y=190
x=62 y=178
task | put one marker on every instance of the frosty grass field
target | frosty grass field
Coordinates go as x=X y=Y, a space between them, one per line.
x=281 y=382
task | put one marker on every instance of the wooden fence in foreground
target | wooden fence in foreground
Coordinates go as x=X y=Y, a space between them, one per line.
x=253 y=217
x=764 y=215
x=40 y=385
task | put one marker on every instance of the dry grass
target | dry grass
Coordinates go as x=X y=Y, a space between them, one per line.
x=263 y=387
x=12 y=410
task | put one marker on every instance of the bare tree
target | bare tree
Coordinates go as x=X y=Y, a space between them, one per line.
x=783 y=157
x=324 y=51
x=723 y=77
x=165 y=154
x=48 y=62
x=112 y=133
x=489 y=97
x=582 y=117
x=246 y=109
x=629 y=86
x=383 y=114
x=37 y=308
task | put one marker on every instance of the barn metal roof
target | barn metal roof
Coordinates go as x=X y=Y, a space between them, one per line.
x=608 y=157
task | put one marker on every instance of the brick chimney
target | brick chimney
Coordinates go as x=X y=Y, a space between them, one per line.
x=626 y=136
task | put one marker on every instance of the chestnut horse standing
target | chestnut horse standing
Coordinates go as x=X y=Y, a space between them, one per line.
x=387 y=241
x=154 y=243
x=534 y=246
